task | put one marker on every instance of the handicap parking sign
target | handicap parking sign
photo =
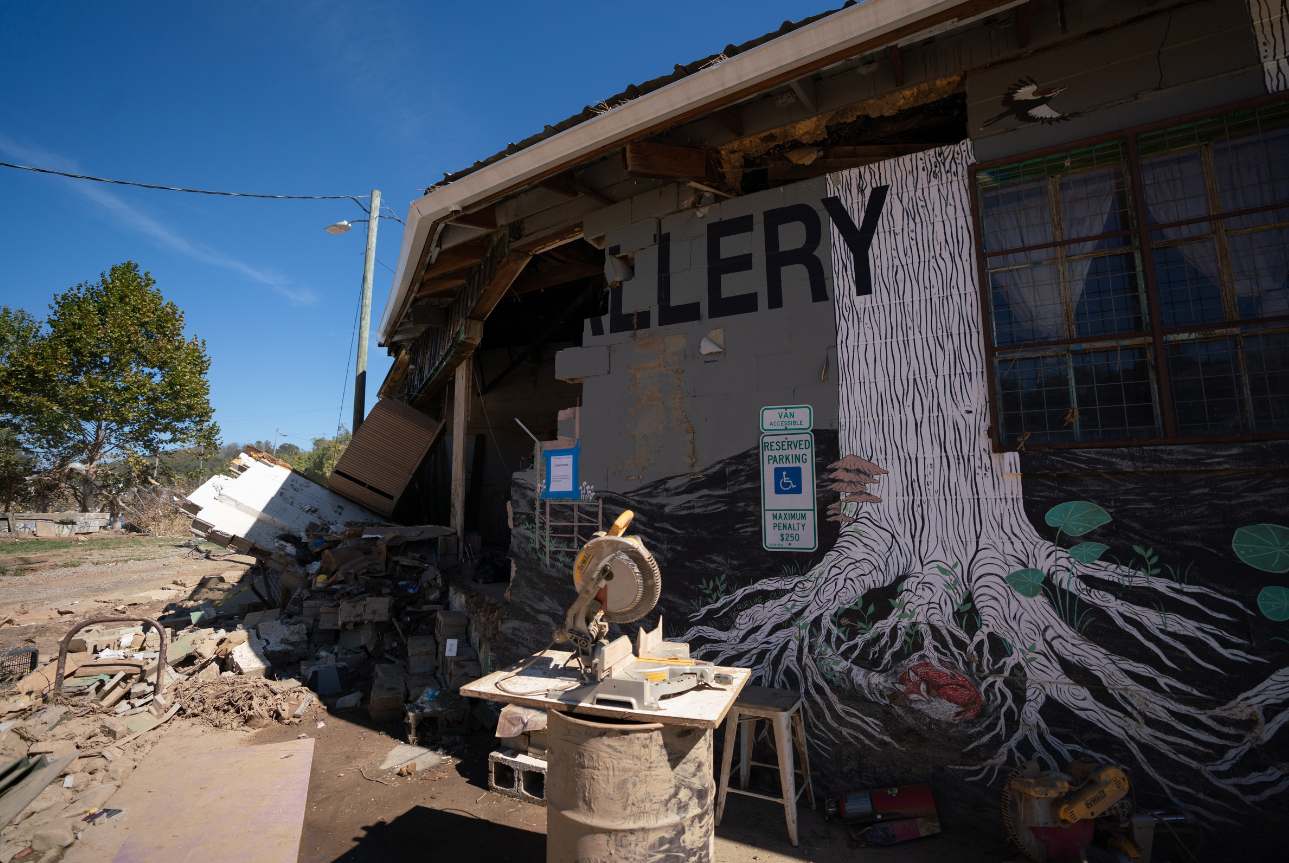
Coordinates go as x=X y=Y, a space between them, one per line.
x=787 y=480
x=788 y=491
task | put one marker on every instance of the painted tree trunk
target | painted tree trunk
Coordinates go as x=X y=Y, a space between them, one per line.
x=963 y=643
x=1271 y=32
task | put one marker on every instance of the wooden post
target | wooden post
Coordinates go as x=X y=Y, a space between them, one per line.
x=460 y=413
x=364 y=317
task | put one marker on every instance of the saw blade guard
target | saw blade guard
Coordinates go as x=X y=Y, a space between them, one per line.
x=632 y=581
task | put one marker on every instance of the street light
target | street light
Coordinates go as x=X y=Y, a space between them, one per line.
x=364 y=322
x=364 y=314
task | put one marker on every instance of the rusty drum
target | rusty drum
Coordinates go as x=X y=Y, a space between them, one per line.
x=628 y=792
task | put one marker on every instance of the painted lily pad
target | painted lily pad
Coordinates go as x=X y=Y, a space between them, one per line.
x=1263 y=546
x=1088 y=552
x=1273 y=602
x=1027 y=582
x=1076 y=517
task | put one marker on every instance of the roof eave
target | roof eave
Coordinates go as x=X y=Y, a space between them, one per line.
x=814 y=46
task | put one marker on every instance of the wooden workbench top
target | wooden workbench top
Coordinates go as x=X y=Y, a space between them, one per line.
x=551 y=683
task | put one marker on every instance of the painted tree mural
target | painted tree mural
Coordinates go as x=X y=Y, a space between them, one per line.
x=986 y=624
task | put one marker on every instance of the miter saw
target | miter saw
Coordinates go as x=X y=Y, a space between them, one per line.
x=618 y=581
x=1054 y=817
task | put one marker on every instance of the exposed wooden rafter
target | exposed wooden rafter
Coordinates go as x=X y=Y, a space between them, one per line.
x=568 y=185
x=804 y=90
x=542 y=275
x=455 y=259
x=485 y=218
x=897 y=64
x=665 y=161
x=446 y=348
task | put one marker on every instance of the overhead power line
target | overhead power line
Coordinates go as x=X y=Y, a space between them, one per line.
x=357 y=199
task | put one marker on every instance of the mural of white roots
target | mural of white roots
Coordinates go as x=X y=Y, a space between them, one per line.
x=986 y=628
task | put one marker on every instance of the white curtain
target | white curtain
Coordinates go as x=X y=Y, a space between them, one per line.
x=1254 y=172
x=1016 y=217
x=1175 y=192
x=1086 y=206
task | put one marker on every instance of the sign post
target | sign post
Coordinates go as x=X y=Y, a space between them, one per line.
x=788 y=519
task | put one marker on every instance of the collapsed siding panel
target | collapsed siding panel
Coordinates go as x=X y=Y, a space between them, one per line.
x=265 y=501
x=383 y=455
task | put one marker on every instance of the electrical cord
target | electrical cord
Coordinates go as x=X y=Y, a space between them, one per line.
x=526 y=664
x=349 y=356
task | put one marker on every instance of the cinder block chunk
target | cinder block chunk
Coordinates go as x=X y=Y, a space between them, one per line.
x=575 y=364
x=518 y=775
x=248 y=661
x=633 y=237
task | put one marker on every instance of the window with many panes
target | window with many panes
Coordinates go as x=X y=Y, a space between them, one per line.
x=1138 y=288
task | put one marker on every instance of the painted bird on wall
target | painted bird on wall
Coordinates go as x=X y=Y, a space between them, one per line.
x=1028 y=102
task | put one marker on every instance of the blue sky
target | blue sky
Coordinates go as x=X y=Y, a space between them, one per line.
x=297 y=98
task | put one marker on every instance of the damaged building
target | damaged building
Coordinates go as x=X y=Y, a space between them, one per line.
x=1029 y=258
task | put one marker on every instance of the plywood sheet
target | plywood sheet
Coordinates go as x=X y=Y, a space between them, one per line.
x=553 y=670
x=203 y=795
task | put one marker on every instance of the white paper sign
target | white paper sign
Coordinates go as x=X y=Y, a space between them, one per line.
x=450 y=647
x=561 y=478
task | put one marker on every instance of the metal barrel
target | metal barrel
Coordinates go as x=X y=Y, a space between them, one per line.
x=628 y=792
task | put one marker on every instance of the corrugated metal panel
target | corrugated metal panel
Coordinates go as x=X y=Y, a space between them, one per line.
x=378 y=464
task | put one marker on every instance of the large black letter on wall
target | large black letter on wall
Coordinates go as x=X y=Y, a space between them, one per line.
x=776 y=259
x=719 y=305
x=620 y=323
x=667 y=313
x=859 y=239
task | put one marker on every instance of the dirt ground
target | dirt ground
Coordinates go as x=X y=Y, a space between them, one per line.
x=357 y=813
x=353 y=811
x=94 y=576
x=352 y=818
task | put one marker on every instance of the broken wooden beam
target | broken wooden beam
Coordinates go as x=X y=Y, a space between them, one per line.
x=665 y=161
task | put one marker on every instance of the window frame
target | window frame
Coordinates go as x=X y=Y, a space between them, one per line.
x=1156 y=336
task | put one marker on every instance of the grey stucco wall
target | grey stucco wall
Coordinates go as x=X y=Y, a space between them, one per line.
x=663 y=408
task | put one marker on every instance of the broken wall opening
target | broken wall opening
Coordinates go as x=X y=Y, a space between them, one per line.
x=512 y=375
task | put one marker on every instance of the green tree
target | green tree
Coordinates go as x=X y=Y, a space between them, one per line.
x=316 y=463
x=16 y=465
x=108 y=383
x=287 y=451
x=18 y=330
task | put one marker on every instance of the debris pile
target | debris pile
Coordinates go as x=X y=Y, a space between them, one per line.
x=357 y=610
x=60 y=762
x=362 y=616
x=250 y=702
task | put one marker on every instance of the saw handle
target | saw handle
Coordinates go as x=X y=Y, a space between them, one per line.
x=621 y=523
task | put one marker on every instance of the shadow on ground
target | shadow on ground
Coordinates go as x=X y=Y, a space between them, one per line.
x=450 y=834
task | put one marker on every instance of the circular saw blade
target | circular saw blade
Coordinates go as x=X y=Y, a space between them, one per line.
x=634 y=585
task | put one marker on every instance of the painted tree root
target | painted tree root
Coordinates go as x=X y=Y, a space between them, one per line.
x=949 y=530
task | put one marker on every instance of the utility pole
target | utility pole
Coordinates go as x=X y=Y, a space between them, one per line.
x=364 y=314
